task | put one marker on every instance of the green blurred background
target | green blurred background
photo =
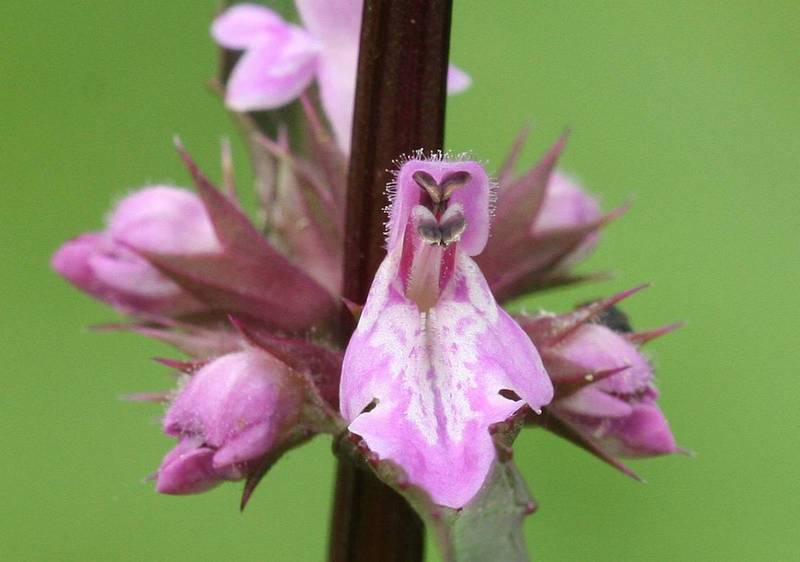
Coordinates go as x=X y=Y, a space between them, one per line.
x=692 y=107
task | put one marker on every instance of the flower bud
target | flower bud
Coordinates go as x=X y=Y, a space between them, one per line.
x=618 y=412
x=544 y=222
x=228 y=416
x=106 y=265
x=567 y=206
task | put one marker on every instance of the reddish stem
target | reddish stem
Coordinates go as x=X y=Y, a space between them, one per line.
x=399 y=108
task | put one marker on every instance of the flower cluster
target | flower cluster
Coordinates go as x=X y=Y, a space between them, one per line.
x=435 y=361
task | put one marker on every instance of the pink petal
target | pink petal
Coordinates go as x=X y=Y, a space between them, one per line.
x=457 y=80
x=113 y=274
x=187 y=469
x=565 y=205
x=272 y=72
x=125 y=272
x=332 y=23
x=230 y=394
x=163 y=219
x=473 y=197
x=436 y=378
x=593 y=347
x=336 y=26
x=243 y=25
x=250 y=444
x=71 y=261
x=644 y=433
x=592 y=401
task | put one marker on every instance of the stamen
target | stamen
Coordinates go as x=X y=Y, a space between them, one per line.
x=442 y=231
x=430 y=234
x=451 y=228
x=453 y=182
x=430 y=185
x=427 y=226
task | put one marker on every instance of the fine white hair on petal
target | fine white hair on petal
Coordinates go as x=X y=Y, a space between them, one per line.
x=434 y=156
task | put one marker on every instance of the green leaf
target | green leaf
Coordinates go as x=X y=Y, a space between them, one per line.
x=490 y=526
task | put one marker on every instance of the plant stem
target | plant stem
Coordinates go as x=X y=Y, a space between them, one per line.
x=399 y=108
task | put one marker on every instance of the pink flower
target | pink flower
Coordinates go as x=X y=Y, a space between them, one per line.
x=423 y=372
x=231 y=413
x=620 y=412
x=106 y=265
x=604 y=385
x=282 y=59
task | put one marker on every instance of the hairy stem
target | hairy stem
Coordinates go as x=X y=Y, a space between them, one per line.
x=399 y=108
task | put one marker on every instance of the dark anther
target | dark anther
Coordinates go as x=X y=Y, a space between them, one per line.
x=453 y=182
x=439 y=193
x=430 y=185
x=430 y=233
x=451 y=228
x=440 y=231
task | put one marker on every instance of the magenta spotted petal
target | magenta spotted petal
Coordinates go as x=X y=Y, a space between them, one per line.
x=433 y=350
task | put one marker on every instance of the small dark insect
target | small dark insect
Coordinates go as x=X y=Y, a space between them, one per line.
x=614 y=318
